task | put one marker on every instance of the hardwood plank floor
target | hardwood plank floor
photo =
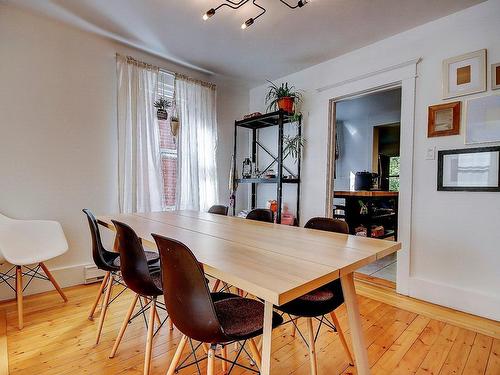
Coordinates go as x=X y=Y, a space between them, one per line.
x=58 y=339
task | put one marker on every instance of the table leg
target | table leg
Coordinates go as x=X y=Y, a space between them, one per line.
x=266 y=339
x=358 y=341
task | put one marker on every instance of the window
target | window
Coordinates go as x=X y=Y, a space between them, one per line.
x=168 y=147
x=394 y=173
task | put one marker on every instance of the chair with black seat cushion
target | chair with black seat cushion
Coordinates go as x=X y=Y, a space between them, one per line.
x=108 y=261
x=322 y=301
x=141 y=279
x=197 y=314
x=261 y=214
x=218 y=210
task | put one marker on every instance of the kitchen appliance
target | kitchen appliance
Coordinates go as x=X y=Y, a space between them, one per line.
x=365 y=180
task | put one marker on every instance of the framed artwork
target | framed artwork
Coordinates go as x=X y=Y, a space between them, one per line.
x=465 y=74
x=495 y=76
x=483 y=120
x=469 y=169
x=444 y=119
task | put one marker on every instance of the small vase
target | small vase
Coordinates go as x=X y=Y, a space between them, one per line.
x=161 y=114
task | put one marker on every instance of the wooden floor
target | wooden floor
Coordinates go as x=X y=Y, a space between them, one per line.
x=58 y=339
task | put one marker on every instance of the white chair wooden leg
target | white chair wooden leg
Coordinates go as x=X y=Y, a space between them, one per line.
x=149 y=340
x=312 y=347
x=124 y=326
x=53 y=281
x=99 y=295
x=19 y=296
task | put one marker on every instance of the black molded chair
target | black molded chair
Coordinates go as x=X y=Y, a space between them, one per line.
x=261 y=214
x=218 y=210
x=321 y=301
x=142 y=280
x=108 y=261
x=197 y=314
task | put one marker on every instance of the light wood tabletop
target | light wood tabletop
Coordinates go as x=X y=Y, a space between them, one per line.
x=274 y=262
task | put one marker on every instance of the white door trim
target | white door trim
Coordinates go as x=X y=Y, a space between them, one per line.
x=401 y=75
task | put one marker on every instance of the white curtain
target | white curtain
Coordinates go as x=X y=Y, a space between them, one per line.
x=197 y=178
x=139 y=166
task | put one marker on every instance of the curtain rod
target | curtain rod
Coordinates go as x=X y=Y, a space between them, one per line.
x=134 y=61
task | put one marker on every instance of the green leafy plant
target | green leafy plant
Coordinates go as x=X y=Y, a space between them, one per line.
x=276 y=93
x=162 y=104
x=293 y=145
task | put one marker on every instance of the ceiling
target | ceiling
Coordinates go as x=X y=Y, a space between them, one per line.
x=281 y=42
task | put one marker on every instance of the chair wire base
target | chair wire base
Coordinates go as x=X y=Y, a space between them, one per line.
x=9 y=277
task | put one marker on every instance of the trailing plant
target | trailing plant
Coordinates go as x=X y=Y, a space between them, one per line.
x=276 y=93
x=293 y=145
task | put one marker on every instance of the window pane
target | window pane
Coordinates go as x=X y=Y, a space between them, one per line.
x=393 y=183
x=166 y=138
x=394 y=166
x=169 y=169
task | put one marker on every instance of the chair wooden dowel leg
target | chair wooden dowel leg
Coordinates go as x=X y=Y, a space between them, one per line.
x=99 y=295
x=177 y=355
x=19 y=296
x=216 y=285
x=224 y=355
x=342 y=337
x=312 y=348
x=211 y=361
x=255 y=352
x=105 y=303
x=170 y=324
x=53 y=281
x=124 y=326
x=149 y=340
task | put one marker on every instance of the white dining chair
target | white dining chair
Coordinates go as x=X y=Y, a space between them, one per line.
x=28 y=244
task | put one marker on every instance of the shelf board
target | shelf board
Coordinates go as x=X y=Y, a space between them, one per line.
x=265 y=120
x=267 y=180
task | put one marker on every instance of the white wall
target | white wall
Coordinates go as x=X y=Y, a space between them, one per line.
x=58 y=139
x=455 y=258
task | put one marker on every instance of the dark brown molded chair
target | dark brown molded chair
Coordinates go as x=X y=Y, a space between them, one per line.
x=108 y=261
x=218 y=210
x=141 y=280
x=261 y=214
x=197 y=314
x=321 y=301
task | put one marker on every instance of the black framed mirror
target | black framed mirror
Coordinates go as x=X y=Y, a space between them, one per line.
x=469 y=169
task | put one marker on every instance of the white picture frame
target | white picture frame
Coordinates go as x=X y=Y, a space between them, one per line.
x=464 y=74
x=482 y=120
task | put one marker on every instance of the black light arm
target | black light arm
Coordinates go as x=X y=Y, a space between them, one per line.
x=300 y=4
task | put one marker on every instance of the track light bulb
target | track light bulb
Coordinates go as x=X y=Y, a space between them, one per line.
x=208 y=14
x=248 y=22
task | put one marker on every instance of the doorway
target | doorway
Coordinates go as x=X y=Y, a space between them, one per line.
x=367 y=171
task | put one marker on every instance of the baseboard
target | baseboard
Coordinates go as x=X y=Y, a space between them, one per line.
x=65 y=276
x=469 y=301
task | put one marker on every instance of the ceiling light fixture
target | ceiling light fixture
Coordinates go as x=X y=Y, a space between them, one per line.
x=238 y=4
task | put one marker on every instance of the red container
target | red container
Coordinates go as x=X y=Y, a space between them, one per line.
x=286 y=104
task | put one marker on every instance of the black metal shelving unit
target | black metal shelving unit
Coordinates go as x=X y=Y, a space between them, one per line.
x=279 y=119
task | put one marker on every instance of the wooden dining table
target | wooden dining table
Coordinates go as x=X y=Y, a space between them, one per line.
x=276 y=263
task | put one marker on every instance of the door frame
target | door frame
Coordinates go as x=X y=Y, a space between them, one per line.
x=402 y=75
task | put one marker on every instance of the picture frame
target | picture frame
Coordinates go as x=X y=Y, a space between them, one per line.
x=482 y=119
x=464 y=74
x=469 y=169
x=444 y=119
x=495 y=76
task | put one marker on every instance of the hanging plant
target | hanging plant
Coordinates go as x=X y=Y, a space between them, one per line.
x=293 y=145
x=174 y=125
x=162 y=106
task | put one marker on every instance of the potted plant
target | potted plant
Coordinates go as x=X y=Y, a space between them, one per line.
x=174 y=125
x=161 y=106
x=292 y=146
x=282 y=97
